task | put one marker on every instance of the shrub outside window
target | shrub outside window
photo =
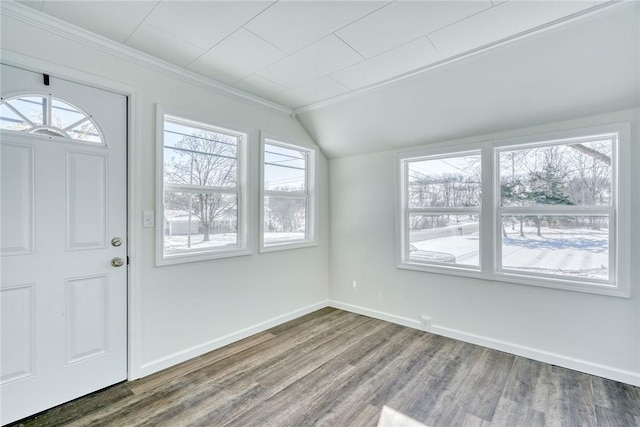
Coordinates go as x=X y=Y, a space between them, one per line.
x=554 y=210
x=202 y=191
x=288 y=196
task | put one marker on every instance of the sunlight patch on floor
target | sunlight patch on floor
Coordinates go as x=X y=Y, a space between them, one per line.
x=392 y=418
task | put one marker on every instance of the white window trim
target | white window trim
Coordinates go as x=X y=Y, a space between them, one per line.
x=619 y=213
x=406 y=211
x=310 y=194
x=242 y=189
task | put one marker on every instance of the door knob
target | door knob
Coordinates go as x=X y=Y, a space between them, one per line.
x=117 y=262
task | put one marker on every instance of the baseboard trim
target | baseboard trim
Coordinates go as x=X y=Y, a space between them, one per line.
x=628 y=377
x=198 y=350
x=580 y=365
x=404 y=321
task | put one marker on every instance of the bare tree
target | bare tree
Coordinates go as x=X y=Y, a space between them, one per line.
x=207 y=160
x=286 y=214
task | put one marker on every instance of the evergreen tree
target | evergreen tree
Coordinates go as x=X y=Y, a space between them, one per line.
x=549 y=186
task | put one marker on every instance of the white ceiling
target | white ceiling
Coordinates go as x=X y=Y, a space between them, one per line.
x=297 y=53
x=585 y=67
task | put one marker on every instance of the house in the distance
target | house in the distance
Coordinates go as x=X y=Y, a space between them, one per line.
x=178 y=222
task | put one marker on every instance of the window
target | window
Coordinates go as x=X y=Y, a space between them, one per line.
x=551 y=210
x=203 y=191
x=442 y=210
x=555 y=209
x=45 y=115
x=288 y=193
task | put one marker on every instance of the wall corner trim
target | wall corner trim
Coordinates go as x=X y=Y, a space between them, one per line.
x=580 y=365
x=56 y=26
x=200 y=349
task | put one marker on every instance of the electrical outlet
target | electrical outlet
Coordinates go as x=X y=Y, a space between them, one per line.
x=425 y=322
x=148 y=219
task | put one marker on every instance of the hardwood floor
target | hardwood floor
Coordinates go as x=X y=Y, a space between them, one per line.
x=334 y=368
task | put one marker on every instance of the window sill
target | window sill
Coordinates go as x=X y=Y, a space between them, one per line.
x=200 y=256
x=566 y=285
x=441 y=269
x=513 y=278
x=288 y=246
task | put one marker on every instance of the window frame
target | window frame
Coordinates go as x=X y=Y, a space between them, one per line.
x=407 y=211
x=61 y=134
x=490 y=254
x=309 y=194
x=241 y=189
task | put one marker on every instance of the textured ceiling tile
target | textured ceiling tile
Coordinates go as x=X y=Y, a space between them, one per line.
x=401 y=22
x=236 y=57
x=36 y=4
x=204 y=23
x=504 y=20
x=114 y=20
x=156 y=42
x=310 y=92
x=324 y=57
x=259 y=86
x=292 y=25
x=400 y=60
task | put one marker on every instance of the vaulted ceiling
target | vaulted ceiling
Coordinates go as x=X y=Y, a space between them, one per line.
x=364 y=76
x=297 y=53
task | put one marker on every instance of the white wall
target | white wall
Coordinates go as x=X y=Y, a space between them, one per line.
x=601 y=333
x=186 y=308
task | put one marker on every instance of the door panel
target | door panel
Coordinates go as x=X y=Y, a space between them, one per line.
x=87 y=323
x=17 y=333
x=86 y=195
x=17 y=199
x=64 y=306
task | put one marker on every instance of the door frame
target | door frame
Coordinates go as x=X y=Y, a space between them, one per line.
x=133 y=179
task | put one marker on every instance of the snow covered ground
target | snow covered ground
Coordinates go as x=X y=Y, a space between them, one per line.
x=180 y=242
x=572 y=252
x=177 y=242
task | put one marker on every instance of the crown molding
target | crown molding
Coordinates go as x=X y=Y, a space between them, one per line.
x=58 y=27
x=534 y=31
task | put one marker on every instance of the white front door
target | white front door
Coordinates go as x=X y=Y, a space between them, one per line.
x=63 y=207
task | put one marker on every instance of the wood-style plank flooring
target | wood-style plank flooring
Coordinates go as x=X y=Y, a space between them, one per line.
x=334 y=368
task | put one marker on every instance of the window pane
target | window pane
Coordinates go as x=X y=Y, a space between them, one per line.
x=64 y=115
x=451 y=239
x=175 y=134
x=10 y=120
x=32 y=108
x=194 y=221
x=576 y=246
x=85 y=131
x=449 y=182
x=195 y=156
x=570 y=174
x=30 y=114
x=284 y=169
x=284 y=219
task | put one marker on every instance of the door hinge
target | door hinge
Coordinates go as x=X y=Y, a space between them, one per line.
x=127 y=259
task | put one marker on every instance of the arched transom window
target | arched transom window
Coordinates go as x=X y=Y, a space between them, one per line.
x=46 y=115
